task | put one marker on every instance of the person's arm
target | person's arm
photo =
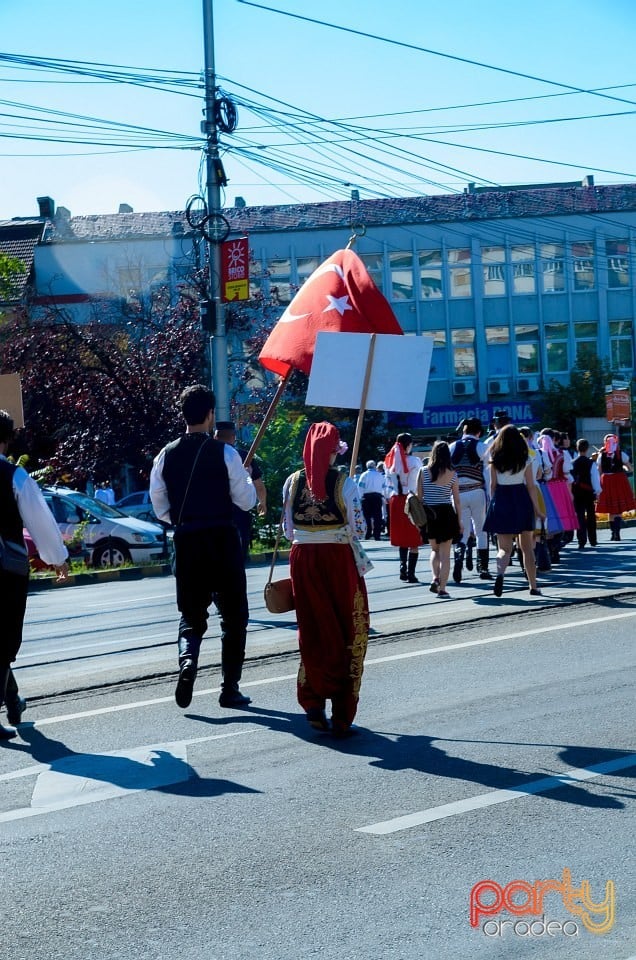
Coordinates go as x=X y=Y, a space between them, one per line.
x=242 y=490
x=355 y=517
x=532 y=490
x=595 y=479
x=261 y=494
x=492 y=474
x=40 y=522
x=158 y=490
x=457 y=503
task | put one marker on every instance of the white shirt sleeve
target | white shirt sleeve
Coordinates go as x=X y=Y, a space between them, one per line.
x=242 y=490
x=158 y=489
x=38 y=519
x=355 y=517
x=595 y=477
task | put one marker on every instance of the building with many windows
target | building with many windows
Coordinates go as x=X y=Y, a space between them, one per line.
x=514 y=285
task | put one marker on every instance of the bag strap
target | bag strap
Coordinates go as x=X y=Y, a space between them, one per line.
x=275 y=553
x=185 y=496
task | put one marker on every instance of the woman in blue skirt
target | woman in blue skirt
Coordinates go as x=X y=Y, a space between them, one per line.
x=513 y=504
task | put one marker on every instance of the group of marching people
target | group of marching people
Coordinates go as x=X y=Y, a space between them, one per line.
x=516 y=487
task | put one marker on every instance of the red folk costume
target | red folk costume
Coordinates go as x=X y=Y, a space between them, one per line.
x=322 y=511
x=616 y=494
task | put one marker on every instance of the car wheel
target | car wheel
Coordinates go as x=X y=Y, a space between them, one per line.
x=115 y=554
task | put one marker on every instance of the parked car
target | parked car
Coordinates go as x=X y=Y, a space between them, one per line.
x=137 y=505
x=111 y=537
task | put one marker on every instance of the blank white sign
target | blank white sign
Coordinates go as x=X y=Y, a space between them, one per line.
x=399 y=375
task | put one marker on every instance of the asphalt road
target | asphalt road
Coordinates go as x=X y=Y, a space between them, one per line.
x=492 y=746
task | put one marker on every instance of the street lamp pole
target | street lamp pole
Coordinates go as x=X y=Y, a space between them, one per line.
x=216 y=224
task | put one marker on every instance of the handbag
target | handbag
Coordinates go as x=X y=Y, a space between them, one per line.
x=14 y=558
x=278 y=594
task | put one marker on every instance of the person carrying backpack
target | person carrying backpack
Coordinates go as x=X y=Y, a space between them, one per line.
x=468 y=455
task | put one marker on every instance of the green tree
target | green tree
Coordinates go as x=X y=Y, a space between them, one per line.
x=11 y=269
x=583 y=396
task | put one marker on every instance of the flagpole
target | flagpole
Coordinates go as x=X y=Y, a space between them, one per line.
x=363 y=403
x=268 y=416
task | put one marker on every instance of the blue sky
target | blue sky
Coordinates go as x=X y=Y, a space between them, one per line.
x=394 y=104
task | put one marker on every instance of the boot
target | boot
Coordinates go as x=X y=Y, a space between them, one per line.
x=482 y=565
x=411 y=578
x=188 y=660
x=16 y=705
x=403 y=557
x=470 y=546
x=5 y=732
x=458 y=555
x=615 y=527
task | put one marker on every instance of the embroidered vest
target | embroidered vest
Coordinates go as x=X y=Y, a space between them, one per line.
x=310 y=514
x=467 y=463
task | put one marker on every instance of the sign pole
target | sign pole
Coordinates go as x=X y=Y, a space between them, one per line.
x=363 y=403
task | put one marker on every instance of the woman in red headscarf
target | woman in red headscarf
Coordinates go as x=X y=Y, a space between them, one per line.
x=322 y=518
x=616 y=494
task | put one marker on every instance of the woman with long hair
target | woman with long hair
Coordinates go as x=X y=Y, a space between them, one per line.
x=513 y=505
x=616 y=494
x=323 y=519
x=438 y=486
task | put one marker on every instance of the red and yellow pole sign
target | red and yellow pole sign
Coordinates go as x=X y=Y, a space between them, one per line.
x=235 y=270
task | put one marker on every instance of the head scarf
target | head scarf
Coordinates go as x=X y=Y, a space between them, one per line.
x=322 y=440
x=610 y=444
x=395 y=460
x=546 y=445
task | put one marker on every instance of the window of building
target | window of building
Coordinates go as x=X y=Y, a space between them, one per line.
x=497 y=336
x=552 y=269
x=527 y=348
x=617 y=253
x=523 y=268
x=556 y=348
x=498 y=350
x=459 y=272
x=430 y=274
x=439 y=360
x=493 y=262
x=621 y=344
x=401 y=267
x=305 y=266
x=586 y=336
x=464 y=363
x=374 y=262
x=130 y=281
x=583 y=265
x=280 y=280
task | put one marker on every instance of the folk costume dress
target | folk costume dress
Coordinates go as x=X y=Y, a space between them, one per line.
x=402 y=469
x=559 y=503
x=616 y=494
x=330 y=595
x=510 y=509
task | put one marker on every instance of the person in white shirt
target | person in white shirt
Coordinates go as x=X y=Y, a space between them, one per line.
x=468 y=456
x=21 y=505
x=371 y=487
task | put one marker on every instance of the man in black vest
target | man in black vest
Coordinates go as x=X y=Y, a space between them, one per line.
x=468 y=455
x=21 y=505
x=586 y=487
x=193 y=484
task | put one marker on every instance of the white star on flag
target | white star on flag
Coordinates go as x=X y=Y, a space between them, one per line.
x=338 y=303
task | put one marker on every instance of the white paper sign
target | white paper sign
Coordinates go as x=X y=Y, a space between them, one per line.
x=399 y=375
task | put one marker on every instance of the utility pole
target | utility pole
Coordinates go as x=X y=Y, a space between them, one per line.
x=216 y=226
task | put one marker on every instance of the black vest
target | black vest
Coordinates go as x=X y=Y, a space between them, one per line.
x=10 y=520
x=582 y=473
x=199 y=497
x=310 y=514
x=613 y=464
x=467 y=462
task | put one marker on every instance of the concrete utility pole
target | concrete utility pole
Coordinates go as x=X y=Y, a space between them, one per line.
x=216 y=228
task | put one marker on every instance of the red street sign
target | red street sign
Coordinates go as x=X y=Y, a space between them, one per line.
x=235 y=270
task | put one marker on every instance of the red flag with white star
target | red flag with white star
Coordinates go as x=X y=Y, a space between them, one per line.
x=339 y=297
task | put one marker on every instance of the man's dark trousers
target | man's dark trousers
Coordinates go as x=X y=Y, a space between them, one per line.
x=209 y=562
x=372 y=510
x=584 y=505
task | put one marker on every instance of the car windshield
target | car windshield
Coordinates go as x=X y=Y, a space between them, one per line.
x=96 y=507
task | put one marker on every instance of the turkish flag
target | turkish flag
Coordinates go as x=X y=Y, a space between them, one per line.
x=339 y=297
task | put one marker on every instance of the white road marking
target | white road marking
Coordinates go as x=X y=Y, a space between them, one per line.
x=79 y=778
x=537 y=631
x=482 y=800
x=70 y=650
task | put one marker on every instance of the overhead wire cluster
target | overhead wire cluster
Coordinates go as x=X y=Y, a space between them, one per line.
x=283 y=145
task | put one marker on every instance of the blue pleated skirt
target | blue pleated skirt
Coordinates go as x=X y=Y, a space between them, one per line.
x=510 y=510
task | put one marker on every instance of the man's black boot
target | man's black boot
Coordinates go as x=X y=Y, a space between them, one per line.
x=458 y=556
x=188 y=660
x=403 y=557
x=482 y=565
x=231 y=696
x=16 y=705
x=5 y=733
